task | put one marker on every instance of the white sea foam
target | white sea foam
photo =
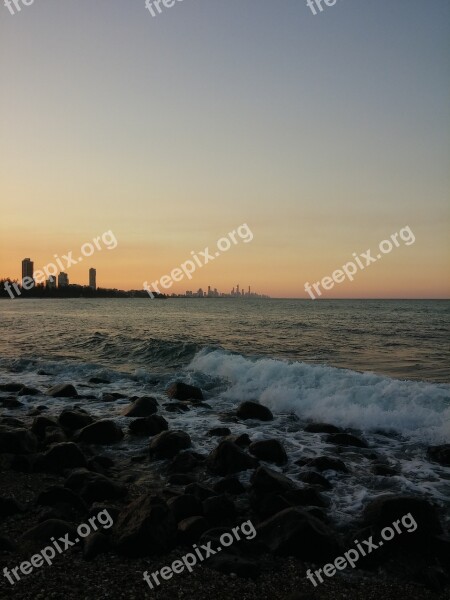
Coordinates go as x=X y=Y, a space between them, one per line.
x=419 y=411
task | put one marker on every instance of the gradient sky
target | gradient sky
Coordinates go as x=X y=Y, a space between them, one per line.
x=325 y=134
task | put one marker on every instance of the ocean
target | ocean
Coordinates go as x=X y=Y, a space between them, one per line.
x=380 y=368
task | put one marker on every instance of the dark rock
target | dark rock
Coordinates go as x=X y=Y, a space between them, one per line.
x=11 y=387
x=219 y=431
x=219 y=509
x=6 y=545
x=17 y=441
x=254 y=410
x=10 y=403
x=54 y=435
x=148 y=426
x=145 y=527
x=270 y=451
x=265 y=480
x=142 y=407
x=184 y=462
x=243 y=440
x=314 y=478
x=322 y=428
x=23 y=463
x=294 y=532
x=64 y=390
x=29 y=391
x=230 y=485
x=100 y=432
x=228 y=458
x=185 y=506
x=94 y=487
x=74 y=419
x=182 y=391
x=176 y=407
x=41 y=534
x=96 y=380
x=383 y=470
x=180 y=479
x=97 y=543
x=12 y=422
x=190 y=529
x=346 y=439
x=168 y=443
x=199 y=490
x=62 y=456
x=9 y=507
x=325 y=463
x=228 y=563
x=440 y=454
x=40 y=425
x=60 y=495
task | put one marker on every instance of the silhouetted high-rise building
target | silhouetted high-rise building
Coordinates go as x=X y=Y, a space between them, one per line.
x=63 y=280
x=27 y=271
x=93 y=279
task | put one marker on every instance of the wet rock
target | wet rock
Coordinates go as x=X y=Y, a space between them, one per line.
x=346 y=439
x=294 y=532
x=40 y=535
x=100 y=432
x=62 y=456
x=98 y=380
x=10 y=403
x=199 y=490
x=11 y=387
x=322 y=428
x=326 y=463
x=94 y=545
x=148 y=426
x=384 y=470
x=313 y=478
x=94 y=487
x=145 y=527
x=219 y=509
x=190 y=529
x=270 y=451
x=73 y=419
x=6 y=545
x=228 y=458
x=265 y=480
x=182 y=391
x=254 y=410
x=176 y=407
x=17 y=441
x=12 y=422
x=168 y=443
x=185 y=506
x=64 y=390
x=219 y=432
x=181 y=479
x=243 y=440
x=29 y=391
x=55 y=495
x=40 y=425
x=185 y=462
x=230 y=485
x=440 y=454
x=142 y=407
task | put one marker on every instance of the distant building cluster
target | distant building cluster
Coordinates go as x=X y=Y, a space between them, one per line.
x=29 y=282
x=214 y=293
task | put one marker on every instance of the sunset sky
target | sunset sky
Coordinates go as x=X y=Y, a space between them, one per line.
x=325 y=134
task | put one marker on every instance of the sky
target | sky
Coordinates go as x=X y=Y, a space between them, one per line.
x=324 y=133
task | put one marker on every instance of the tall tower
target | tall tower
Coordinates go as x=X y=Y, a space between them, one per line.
x=93 y=279
x=27 y=271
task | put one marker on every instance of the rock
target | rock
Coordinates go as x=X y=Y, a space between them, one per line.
x=325 y=463
x=322 y=428
x=228 y=458
x=190 y=529
x=181 y=479
x=182 y=391
x=62 y=456
x=265 y=480
x=100 y=432
x=10 y=403
x=294 y=532
x=17 y=441
x=9 y=507
x=254 y=410
x=6 y=545
x=346 y=439
x=270 y=451
x=97 y=543
x=230 y=485
x=97 y=380
x=440 y=454
x=383 y=470
x=40 y=425
x=384 y=510
x=64 y=390
x=94 y=487
x=29 y=391
x=176 y=407
x=219 y=431
x=11 y=387
x=74 y=419
x=55 y=495
x=12 y=422
x=145 y=527
x=219 y=509
x=185 y=506
x=168 y=443
x=231 y=563
x=142 y=407
x=54 y=435
x=199 y=490
x=40 y=535
x=314 y=478
x=148 y=426
x=243 y=440
x=184 y=462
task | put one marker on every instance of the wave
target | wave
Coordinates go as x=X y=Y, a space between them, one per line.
x=419 y=411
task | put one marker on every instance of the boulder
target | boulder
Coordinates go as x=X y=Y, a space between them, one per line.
x=185 y=506
x=185 y=462
x=145 y=527
x=39 y=536
x=254 y=410
x=326 y=463
x=9 y=507
x=11 y=387
x=17 y=441
x=62 y=456
x=29 y=391
x=346 y=439
x=219 y=431
x=313 y=478
x=142 y=407
x=219 y=509
x=229 y=485
x=74 y=419
x=265 y=480
x=199 y=490
x=10 y=403
x=98 y=380
x=182 y=391
x=440 y=454
x=97 y=543
x=148 y=426
x=384 y=510
x=64 y=390
x=190 y=529
x=40 y=424
x=242 y=440
x=270 y=451
x=322 y=428
x=94 y=487
x=168 y=443
x=55 y=495
x=100 y=432
x=228 y=458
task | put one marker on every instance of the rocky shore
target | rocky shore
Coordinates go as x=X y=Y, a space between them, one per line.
x=58 y=469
